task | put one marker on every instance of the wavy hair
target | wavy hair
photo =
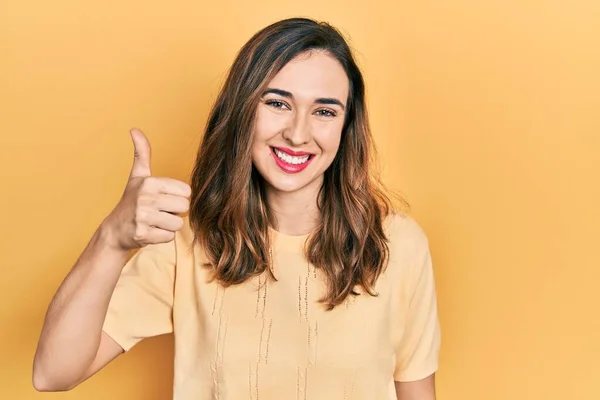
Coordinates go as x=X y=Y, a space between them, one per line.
x=229 y=213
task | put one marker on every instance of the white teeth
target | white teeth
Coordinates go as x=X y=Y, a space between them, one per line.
x=290 y=159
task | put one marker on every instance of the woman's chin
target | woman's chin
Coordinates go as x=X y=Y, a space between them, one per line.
x=288 y=184
x=285 y=185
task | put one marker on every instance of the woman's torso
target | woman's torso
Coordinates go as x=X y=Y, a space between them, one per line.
x=273 y=340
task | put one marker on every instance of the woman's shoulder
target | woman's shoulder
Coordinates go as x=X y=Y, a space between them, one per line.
x=403 y=230
x=408 y=244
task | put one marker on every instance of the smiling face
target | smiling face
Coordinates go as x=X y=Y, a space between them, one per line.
x=299 y=122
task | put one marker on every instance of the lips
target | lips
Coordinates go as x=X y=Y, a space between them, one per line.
x=291 y=161
x=292 y=152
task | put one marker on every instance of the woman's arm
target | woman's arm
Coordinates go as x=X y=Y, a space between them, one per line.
x=423 y=389
x=72 y=345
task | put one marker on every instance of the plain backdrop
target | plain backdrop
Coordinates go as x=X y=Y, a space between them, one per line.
x=485 y=114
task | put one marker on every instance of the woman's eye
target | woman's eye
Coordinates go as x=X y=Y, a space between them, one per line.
x=276 y=104
x=326 y=113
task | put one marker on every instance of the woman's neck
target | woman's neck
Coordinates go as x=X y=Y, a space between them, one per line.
x=296 y=213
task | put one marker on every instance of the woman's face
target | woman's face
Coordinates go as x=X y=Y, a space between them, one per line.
x=299 y=122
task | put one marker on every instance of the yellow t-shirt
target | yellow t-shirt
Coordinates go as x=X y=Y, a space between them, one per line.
x=275 y=341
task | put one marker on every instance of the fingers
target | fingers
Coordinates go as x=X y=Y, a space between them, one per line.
x=142 y=152
x=153 y=202
x=158 y=227
x=165 y=221
x=171 y=203
x=156 y=236
x=167 y=186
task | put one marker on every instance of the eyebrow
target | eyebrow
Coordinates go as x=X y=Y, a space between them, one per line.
x=320 y=100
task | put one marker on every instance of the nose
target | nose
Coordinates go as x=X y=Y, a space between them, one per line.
x=297 y=132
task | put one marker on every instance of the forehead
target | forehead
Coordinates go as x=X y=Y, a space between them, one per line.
x=313 y=74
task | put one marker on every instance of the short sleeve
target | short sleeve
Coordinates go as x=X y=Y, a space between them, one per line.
x=418 y=349
x=141 y=304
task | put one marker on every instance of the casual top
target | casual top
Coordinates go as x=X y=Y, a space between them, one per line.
x=273 y=340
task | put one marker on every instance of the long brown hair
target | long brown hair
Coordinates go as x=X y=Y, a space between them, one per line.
x=229 y=213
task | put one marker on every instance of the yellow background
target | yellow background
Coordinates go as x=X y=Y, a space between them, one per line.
x=486 y=118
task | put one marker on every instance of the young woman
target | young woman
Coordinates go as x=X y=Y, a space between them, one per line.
x=291 y=277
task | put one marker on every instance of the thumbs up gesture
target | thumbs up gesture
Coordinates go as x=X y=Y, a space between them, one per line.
x=147 y=210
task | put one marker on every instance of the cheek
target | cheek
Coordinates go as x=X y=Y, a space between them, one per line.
x=267 y=124
x=328 y=138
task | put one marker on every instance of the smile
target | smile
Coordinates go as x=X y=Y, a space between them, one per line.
x=291 y=163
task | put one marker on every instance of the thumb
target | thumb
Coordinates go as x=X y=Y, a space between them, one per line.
x=141 y=158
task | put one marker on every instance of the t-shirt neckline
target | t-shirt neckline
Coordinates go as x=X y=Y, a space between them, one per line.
x=283 y=240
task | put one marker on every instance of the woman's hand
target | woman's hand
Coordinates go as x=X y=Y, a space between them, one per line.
x=146 y=213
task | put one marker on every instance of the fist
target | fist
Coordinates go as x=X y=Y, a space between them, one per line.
x=147 y=211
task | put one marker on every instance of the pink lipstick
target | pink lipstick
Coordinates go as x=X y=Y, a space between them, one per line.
x=291 y=161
